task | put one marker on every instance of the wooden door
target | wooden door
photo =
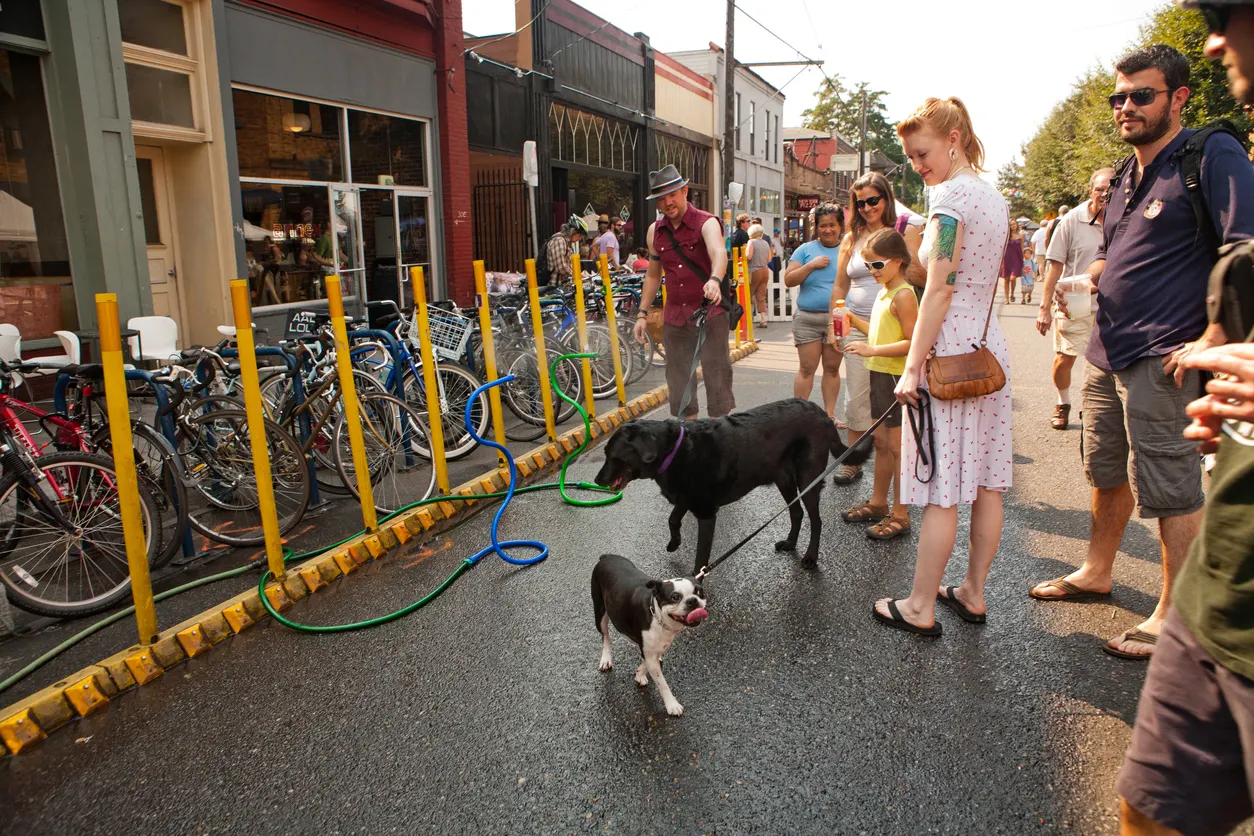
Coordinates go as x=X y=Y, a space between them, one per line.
x=159 y=235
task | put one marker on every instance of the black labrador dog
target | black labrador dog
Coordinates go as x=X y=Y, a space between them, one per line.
x=705 y=464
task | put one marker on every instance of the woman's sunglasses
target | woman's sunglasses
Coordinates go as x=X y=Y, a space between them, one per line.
x=1140 y=98
x=870 y=201
x=1216 y=17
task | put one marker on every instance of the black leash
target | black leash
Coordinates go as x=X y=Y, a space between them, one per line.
x=690 y=384
x=925 y=406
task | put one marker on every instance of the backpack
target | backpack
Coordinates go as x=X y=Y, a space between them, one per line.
x=542 y=264
x=1189 y=158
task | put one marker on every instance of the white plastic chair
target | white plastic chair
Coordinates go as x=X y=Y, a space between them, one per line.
x=10 y=343
x=70 y=345
x=158 y=338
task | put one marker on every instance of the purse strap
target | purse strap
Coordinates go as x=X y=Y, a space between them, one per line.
x=701 y=274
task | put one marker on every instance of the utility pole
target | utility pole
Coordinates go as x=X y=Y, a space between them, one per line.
x=862 y=138
x=729 y=101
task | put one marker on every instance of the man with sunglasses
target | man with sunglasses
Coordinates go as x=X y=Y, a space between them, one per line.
x=1151 y=274
x=1190 y=766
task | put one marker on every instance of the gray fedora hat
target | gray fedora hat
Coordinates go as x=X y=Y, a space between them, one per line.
x=665 y=181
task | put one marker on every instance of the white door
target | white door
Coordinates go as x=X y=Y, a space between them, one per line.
x=413 y=235
x=163 y=263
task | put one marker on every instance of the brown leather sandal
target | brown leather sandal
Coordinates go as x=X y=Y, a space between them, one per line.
x=865 y=513
x=1062 y=416
x=888 y=528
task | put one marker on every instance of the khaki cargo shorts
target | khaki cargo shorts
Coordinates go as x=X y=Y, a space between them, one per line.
x=1071 y=336
x=1133 y=425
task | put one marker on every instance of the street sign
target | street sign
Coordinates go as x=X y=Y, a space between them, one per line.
x=624 y=214
x=844 y=162
x=734 y=192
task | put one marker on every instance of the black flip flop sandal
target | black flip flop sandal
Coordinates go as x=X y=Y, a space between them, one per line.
x=1070 y=592
x=899 y=623
x=950 y=599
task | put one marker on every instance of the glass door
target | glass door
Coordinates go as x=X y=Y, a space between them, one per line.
x=346 y=225
x=413 y=239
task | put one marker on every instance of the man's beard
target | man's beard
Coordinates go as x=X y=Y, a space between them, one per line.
x=1152 y=130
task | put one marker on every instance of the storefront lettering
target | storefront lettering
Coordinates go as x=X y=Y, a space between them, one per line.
x=807 y=202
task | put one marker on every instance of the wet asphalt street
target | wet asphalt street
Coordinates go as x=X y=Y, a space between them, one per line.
x=485 y=712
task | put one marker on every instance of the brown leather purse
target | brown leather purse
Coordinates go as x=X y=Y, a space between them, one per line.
x=969 y=375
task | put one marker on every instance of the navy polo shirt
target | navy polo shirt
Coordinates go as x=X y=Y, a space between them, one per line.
x=1152 y=293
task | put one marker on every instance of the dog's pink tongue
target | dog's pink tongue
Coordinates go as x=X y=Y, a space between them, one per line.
x=698 y=615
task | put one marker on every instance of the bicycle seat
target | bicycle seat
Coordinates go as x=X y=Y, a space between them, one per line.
x=87 y=371
x=387 y=319
x=229 y=330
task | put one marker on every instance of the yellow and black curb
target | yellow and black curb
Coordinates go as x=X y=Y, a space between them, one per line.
x=29 y=721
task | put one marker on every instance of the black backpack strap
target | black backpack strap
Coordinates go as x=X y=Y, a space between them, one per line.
x=1189 y=158
x=701 y=274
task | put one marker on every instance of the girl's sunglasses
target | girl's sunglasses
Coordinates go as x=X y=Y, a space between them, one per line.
x=870 y=201
x=1140 y=98
x=876 y=265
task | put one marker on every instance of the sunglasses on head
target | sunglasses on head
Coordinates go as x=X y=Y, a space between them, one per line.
x=1216 y=17
x=1140 y=98
x=870 y=201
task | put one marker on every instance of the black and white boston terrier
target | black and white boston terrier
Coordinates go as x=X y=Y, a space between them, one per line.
x=649 y=612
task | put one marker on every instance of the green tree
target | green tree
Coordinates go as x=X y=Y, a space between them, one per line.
x=1209 y=98
x=838 y=109
x=1010 y=183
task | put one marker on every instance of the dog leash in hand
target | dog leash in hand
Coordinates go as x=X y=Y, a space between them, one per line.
x=690 y=387
x=831 y=469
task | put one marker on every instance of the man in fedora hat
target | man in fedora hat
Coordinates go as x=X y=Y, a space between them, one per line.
x=688 y=244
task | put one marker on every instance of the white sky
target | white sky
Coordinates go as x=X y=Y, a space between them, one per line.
x=1009 y=63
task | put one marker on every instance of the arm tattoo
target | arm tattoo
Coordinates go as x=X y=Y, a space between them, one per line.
x=946 y=240
x=952 y=277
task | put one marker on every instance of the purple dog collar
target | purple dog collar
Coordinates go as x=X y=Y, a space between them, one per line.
x=666 y=462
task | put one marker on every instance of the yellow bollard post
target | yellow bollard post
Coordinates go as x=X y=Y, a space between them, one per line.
x=537 y=328
x=124 y=465
x=256 y=425
x=429 y=380
x=736 y=287
x=748 y=303
x=489 y=358
x=352 y=411
x=612 y=321
x=581 y=328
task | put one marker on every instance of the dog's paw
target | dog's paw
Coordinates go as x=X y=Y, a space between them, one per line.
x=675 y=709
x=673 y=545
x=607 y=664
x=810 y=561
x=642 y=678
x=786 y=546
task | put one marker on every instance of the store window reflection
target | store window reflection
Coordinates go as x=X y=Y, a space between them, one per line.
x=382 y=146
x=287 y=139
x=36 y=292
x=289 y=238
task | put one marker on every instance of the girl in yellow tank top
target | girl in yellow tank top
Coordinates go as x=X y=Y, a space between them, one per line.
x=884 y=355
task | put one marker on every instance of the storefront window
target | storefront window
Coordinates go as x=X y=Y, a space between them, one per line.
x=36 y=292
x=585 y=138
x=287 y=139
x=768 y=201
x=160 y=96
x=155 y=24
x=288 y=235
x=386 y=146
x=370 y=231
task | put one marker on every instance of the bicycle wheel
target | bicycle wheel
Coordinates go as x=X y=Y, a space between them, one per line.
x=161 y=472
x=641 y=353
x=48 y=570
x=456 y=386
x=393 y=433
x=523 y=393
x=222 y=499
x=603 y=383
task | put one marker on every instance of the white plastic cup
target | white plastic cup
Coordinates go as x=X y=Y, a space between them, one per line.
x=1077 y=292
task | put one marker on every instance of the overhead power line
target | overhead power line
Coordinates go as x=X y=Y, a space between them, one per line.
x=511 y=34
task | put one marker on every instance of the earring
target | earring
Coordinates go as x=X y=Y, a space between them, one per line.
x=953 y=155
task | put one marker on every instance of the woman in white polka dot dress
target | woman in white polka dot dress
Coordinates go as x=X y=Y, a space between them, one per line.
x=962 y=250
